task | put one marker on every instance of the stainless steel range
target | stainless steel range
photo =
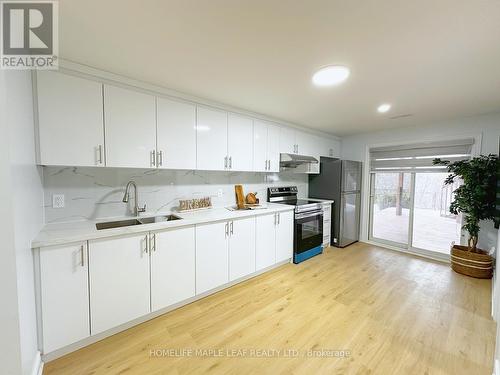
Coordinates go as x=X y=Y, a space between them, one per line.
x=308 y=222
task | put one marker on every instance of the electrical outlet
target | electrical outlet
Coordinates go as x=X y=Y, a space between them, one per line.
x=220 y=193
x=57 y=200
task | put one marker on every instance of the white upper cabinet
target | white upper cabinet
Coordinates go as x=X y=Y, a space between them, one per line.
x=211 y=133
x=64 y=295
x=240 y=143
x=241 y=248
x=273 y=147
x=130 y=126
x=70 y=120
x=284 y=236
x=260 y=161
x=266 y=147
x=172 y=266
x=287 y=140
x=176 y=134
x=119 y=281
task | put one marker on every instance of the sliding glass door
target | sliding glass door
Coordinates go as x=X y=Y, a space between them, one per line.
x=409 y=202
x=390 y=207
x=411 y=210
x=434 y=228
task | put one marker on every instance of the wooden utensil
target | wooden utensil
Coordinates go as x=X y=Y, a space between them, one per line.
x=240 y=197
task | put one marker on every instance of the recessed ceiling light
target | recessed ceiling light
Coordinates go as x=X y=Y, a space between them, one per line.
x=330 y=75
x=384 y=108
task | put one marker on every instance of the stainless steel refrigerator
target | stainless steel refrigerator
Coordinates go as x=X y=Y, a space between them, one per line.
x=340 y=181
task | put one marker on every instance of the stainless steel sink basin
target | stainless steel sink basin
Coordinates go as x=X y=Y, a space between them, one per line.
x=139 y=221
x=117 y=224
x=158 y=219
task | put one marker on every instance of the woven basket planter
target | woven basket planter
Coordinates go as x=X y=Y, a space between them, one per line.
x=478 y=264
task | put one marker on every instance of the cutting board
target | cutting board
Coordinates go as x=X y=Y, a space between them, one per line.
x=240 y=197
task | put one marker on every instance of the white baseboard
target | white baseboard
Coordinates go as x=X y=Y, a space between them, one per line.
x=37 y=368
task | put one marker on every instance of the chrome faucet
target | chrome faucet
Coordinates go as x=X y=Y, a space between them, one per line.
x=137 y=209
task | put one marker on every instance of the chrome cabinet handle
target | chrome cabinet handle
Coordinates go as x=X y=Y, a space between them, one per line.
x=227 y=229
x=159 y=159
x=152 y=241
x=99 y=150
x=279 y=218
x=225 y=162
x=230 y=162
x=269 y=165
x=275 y=218
x=146 y=244
x=81 y=256
x=231 y=225
x=153 y=158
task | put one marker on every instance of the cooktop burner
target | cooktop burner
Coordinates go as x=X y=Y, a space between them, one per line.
x=288 y=195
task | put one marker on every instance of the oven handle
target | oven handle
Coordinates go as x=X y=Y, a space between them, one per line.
x=309 y=214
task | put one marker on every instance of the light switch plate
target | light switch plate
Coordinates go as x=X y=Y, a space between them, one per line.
x=57 y=200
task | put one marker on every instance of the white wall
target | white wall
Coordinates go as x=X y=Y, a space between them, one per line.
x=10 y=354
x=23 y=178
x=488 y=126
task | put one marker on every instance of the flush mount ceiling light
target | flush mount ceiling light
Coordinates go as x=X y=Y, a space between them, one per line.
x=330 y=75
x=383 y=108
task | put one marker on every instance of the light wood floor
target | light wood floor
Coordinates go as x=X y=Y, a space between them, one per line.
x=395 y=313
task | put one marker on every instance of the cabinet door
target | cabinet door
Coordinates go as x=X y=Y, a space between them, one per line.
x=265 y=246
x=259 y=146
x=70 y=120
x=287 y=140
x=211 y=141
x=119 y=281
x=212 y=267
x=172 y=266
x=130 y=127
x=284 y=236
x=64 y=295
x=176 y=132
x=240 y=143
x=273 y=147
x=241 y=248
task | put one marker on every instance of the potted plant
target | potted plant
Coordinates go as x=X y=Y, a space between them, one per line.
x=475 y=198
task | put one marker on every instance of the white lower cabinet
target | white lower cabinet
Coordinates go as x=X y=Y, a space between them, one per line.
x=241 y=248
x=119 y=281
x=274 y=240
x=172 y=266
x=265 y=249
x=284 y=236
x=212 y=266
x=327 y=224
x=64 y=295
x=91 y=287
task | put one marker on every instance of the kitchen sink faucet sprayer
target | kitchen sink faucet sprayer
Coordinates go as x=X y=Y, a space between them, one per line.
x=137 y=209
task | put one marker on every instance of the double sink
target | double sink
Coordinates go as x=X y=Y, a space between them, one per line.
x=138 y=221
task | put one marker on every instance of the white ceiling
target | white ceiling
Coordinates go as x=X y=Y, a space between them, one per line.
x=435 y=59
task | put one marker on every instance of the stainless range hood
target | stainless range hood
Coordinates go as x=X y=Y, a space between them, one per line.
x=294 y=160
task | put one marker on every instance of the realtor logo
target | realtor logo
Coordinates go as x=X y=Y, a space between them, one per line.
x=29 y=34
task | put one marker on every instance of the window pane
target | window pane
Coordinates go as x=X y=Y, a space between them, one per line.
x=434 y=228
x=391 y=206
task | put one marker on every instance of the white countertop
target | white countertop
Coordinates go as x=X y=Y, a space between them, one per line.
x=62 y=233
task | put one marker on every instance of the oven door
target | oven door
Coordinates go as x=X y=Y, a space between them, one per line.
x=308 y=232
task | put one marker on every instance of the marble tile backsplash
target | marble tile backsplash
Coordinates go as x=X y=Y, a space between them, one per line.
x=96 y=193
